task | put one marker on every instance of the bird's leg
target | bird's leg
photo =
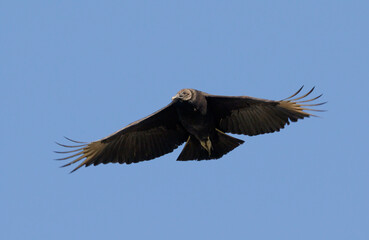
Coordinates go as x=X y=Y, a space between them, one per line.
x=207 y=145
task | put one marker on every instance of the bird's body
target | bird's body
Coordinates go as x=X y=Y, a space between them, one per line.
x=195 y=118
x=200 y=120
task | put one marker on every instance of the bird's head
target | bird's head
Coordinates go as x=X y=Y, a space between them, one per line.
x=183 y=95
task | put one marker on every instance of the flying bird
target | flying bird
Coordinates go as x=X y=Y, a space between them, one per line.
x=199 y=119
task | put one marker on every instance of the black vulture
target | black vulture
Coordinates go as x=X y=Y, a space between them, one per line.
x=197 y=118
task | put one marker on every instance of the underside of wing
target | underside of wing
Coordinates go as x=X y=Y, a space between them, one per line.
x=254 y=116
x=146 y=139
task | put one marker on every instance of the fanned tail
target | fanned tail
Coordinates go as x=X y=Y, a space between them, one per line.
x=221 y=144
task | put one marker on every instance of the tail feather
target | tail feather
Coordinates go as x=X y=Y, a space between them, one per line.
x=221 y=144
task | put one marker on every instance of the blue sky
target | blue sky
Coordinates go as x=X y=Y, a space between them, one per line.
x=85 y=69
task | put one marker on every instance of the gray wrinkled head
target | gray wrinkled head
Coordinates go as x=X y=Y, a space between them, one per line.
x=184 y=95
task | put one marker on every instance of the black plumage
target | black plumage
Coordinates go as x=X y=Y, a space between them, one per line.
x=197 y=118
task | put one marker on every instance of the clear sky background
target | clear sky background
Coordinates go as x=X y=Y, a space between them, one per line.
x=84 y=69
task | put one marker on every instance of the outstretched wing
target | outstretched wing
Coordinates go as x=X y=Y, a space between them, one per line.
x=253 y=116
x=145 y=139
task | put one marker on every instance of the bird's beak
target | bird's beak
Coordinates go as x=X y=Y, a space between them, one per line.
x=175 y=97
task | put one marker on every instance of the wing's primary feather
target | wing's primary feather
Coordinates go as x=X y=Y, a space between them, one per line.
x=145 y=139
x=254 y=116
